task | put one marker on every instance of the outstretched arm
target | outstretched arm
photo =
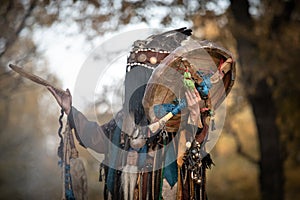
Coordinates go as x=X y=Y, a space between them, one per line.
x=88 y=133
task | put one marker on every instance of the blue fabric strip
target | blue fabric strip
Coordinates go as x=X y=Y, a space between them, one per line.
x=161 y=110
x=113 y=157
x=205 y=85
x=181 y=104
x=170 y=171
x=142 y=155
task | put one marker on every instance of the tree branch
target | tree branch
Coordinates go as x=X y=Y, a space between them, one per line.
x=20 y=27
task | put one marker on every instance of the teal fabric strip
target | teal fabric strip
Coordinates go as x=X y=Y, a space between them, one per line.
x=114 y=149
x=161 y=110
x=170 y=171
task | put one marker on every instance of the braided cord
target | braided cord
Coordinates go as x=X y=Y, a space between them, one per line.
x=60 y=148
x=68 y=190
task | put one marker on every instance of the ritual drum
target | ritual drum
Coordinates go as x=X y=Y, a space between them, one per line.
x=202 y=64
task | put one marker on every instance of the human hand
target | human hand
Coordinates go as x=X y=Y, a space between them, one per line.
x=64 y=99
x=193 y=99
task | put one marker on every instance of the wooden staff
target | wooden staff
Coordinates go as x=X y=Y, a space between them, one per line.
x=34 y=78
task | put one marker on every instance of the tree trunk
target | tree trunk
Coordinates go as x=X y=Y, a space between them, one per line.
x=271 y=163
x=260 y=98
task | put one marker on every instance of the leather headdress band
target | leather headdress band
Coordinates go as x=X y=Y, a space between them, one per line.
x=147 y=57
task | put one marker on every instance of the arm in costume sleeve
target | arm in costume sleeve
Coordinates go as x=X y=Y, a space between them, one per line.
x=194 y=126
x=88 y=133
x=198 y=127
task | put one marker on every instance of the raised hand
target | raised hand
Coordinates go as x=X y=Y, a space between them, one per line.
x=64 y=99
x=193 y=99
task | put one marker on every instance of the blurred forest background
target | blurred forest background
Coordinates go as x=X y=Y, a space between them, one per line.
x=258 y=153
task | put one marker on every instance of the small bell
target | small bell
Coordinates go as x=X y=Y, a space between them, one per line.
x=188 y=144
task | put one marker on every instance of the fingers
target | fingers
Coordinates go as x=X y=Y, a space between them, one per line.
x=189 y=98
x=193 y=104
x=63 y=98
x=53 y=92
x=198 y=98
x=192 y=97
x=68 y=91
x=69 y=95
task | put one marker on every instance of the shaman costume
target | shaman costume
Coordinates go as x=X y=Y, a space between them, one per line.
x=153 y=150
